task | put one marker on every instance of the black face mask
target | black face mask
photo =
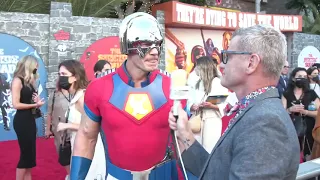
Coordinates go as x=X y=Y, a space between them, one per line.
x=34 y=71
x=315 y=79
x=64 y=82
x=301 y=82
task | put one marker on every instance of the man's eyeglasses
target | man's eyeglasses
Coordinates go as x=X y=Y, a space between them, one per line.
x=286 y=66
x=225 y=54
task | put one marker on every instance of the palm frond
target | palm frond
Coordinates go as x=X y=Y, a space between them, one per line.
x=313 y=8
x=103 y=8
x=29 y=6
x=315 y=29
x=295 y=4
x=37 y=6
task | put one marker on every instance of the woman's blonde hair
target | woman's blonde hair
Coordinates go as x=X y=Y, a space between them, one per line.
x=207 y=70
x=25 y=68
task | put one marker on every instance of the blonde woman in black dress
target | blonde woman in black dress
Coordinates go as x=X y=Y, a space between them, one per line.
x=25 y=100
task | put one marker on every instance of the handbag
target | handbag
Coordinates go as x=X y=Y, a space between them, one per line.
x=300 y=125
x=37 y=113
x=65 y=153
x=65 y=147
x=299 y=121
x=195 y=119
x=195 y=122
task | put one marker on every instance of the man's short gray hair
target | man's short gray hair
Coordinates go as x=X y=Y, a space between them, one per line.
x=269 y=43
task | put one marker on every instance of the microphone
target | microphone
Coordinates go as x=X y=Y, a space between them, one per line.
x=178 y=91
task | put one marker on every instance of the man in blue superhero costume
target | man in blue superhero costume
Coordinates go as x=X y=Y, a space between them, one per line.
x=131 y=105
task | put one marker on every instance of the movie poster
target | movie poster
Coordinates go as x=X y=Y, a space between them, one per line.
x=107 y=48
x=12 y=49
x=185 y=46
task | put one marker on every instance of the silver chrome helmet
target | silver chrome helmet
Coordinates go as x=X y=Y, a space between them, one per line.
x=140 y=28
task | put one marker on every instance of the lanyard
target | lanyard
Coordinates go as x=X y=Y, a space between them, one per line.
x=68 y=98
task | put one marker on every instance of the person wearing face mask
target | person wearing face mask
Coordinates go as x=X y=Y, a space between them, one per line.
x=25 y=100
x=57 y=107
x=300 y=100
x=313 y=76
x=100 y=67
x=72 y=78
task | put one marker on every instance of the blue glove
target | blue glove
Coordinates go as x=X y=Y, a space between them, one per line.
x=79 y=167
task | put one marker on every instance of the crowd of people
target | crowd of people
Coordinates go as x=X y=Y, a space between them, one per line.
x=246 y=119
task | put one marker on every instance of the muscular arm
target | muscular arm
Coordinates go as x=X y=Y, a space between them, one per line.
x=86 y=137
x=15 y=90
x=84 y=147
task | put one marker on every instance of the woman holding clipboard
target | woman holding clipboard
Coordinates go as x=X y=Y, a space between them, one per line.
x=206 y=103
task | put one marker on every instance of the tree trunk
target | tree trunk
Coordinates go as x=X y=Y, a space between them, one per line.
x=130 y=8
x=147 y=4
x=119 y=11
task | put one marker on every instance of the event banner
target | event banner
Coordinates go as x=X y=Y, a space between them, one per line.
x=308 y=56
x=12 y=49
x=105 y=49
x=185 y=46
x=208 y=17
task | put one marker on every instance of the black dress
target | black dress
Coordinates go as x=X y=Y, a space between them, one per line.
x=307 y=98
x=24 y=125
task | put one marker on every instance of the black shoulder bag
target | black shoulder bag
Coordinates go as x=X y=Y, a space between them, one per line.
x=299 y=122
x=52 y=108
x=65 y=146
x=36 y=111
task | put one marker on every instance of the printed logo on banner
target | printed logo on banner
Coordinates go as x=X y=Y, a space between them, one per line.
x=308 y=56
x=107 y=48
x=12 y=49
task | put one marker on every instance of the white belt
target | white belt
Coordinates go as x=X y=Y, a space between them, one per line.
x=136 y=175
x=141 y=175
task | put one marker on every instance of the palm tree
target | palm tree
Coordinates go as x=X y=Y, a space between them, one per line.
x=36 y=6
x=194 y=2
x=311 y=14
x=94 y=8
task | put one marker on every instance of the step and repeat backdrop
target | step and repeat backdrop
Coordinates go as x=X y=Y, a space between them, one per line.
x=12 y=49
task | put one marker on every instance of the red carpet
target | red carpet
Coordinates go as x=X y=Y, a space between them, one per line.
x=47 y=167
